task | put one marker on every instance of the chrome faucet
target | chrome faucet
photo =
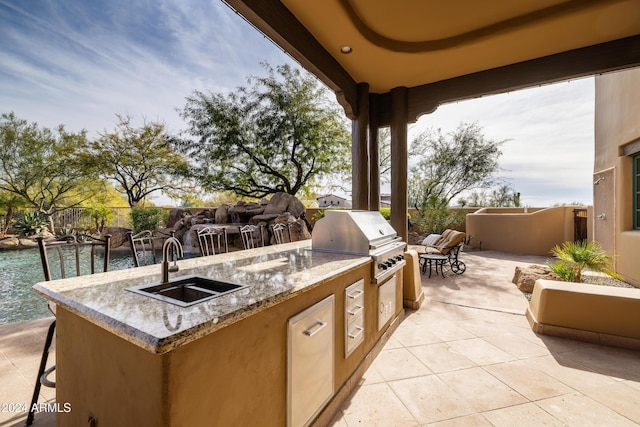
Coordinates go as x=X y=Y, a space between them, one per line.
x=170 y=249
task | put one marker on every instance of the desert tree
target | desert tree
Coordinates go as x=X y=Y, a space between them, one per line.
x=280 y=133
x=140 y=161
x=448 y=164
x=44 y=167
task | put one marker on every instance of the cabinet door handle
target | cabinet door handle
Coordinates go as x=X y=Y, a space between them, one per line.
x=355 y=294
x=356 y=311
x=357 y=334
x=315 y=328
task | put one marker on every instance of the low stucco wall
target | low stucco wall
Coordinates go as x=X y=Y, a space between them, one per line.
x=600 y=314
x=529 y=231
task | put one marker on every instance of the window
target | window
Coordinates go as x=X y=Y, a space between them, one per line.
x=636 y=192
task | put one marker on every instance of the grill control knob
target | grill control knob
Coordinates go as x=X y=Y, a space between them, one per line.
x=382 y=266
x=389 y=264
x=399 y=257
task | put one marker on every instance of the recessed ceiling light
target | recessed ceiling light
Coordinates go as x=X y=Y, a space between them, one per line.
x=346 y=49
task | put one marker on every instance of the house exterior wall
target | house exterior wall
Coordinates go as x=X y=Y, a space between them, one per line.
x=333 y=201
x=617 y=110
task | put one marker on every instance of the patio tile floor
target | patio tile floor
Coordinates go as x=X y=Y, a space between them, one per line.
x=467 y=357
x=486 y=367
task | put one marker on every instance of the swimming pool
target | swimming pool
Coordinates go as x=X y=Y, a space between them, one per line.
x=20 y=270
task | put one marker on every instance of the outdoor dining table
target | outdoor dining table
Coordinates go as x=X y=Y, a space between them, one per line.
x=433 y=261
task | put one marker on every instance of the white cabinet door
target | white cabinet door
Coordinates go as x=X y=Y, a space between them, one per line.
x=310 y=361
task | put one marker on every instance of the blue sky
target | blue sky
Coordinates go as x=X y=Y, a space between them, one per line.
x=81 y=62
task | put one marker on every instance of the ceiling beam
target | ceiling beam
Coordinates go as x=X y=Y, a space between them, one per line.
x=587 y=61
x=278 y=24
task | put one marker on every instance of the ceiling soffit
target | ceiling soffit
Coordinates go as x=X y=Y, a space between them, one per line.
x=415 y=42
x=492 y=46
x=422 y=27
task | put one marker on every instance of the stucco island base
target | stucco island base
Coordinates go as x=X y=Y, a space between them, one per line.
x=598 y=314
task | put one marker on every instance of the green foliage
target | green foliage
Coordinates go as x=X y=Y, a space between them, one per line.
x=279 y=134
x=80 y=236
x=141 y=161
x=30 y=224
x=43 y=167
x=66 y=231
x=145 y=218
x=450 y=164
x=100 y=215
x=386 y=213
x=9 y=203
x=564 y=271
x=434 y=216
x=318 y=215
x=575 y=257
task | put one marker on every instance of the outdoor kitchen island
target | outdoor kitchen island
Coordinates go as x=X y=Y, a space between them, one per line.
x=125 y=359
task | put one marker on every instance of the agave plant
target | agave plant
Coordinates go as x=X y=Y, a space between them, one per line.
x=575 y=257
x=30 y=224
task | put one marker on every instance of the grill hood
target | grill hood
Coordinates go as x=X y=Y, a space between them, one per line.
x=355 y=232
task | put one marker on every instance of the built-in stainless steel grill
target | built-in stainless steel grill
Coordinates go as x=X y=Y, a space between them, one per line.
x=361 y=233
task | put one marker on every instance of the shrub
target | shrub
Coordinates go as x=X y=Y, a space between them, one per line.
x=30 y=224
x=145 y=218
x=100 y=215
x=318 y=215
x=575 y=257
x=434 y=216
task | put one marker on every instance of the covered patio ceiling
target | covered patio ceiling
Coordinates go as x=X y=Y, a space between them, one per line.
x=389 y=62
x=448 y=50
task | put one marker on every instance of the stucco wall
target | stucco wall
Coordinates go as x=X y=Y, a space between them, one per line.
x=512 y=230
x=616 y=125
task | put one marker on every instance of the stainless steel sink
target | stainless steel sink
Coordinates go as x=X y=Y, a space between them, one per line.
x=187 y=290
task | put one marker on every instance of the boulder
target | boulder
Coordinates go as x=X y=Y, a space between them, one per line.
x=255 y=220
x=525 y=277
x=176 y=214
x=284 y=202
x=243 y=213
x=9 y=243
x=222 y=215
x=284 y=218
x=28 y=242
x=299 y=230
x=118 y=235
x=414 y=238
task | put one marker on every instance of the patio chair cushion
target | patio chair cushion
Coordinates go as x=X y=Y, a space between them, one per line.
x=449 y=239
x=431 y=239
x=443 y=238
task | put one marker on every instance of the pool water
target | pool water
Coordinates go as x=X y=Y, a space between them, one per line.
x=21 y=269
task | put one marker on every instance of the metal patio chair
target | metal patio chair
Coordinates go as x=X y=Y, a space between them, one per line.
x=281 y=233
x=251 y=236
x=212 y=240
x=67 y=247
x=144 y=245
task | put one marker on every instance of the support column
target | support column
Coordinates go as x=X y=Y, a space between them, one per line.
x=360 y=151
x=374 y=155
x=399 y=152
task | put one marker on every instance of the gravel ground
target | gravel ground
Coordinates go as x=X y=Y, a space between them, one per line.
x=596 y=279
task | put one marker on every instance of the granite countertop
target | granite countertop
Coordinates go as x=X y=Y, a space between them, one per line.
x=273 y=274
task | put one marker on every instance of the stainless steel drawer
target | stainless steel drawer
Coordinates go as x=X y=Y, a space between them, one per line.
x=354 y=317
x=310 y=361
x=386 y=301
